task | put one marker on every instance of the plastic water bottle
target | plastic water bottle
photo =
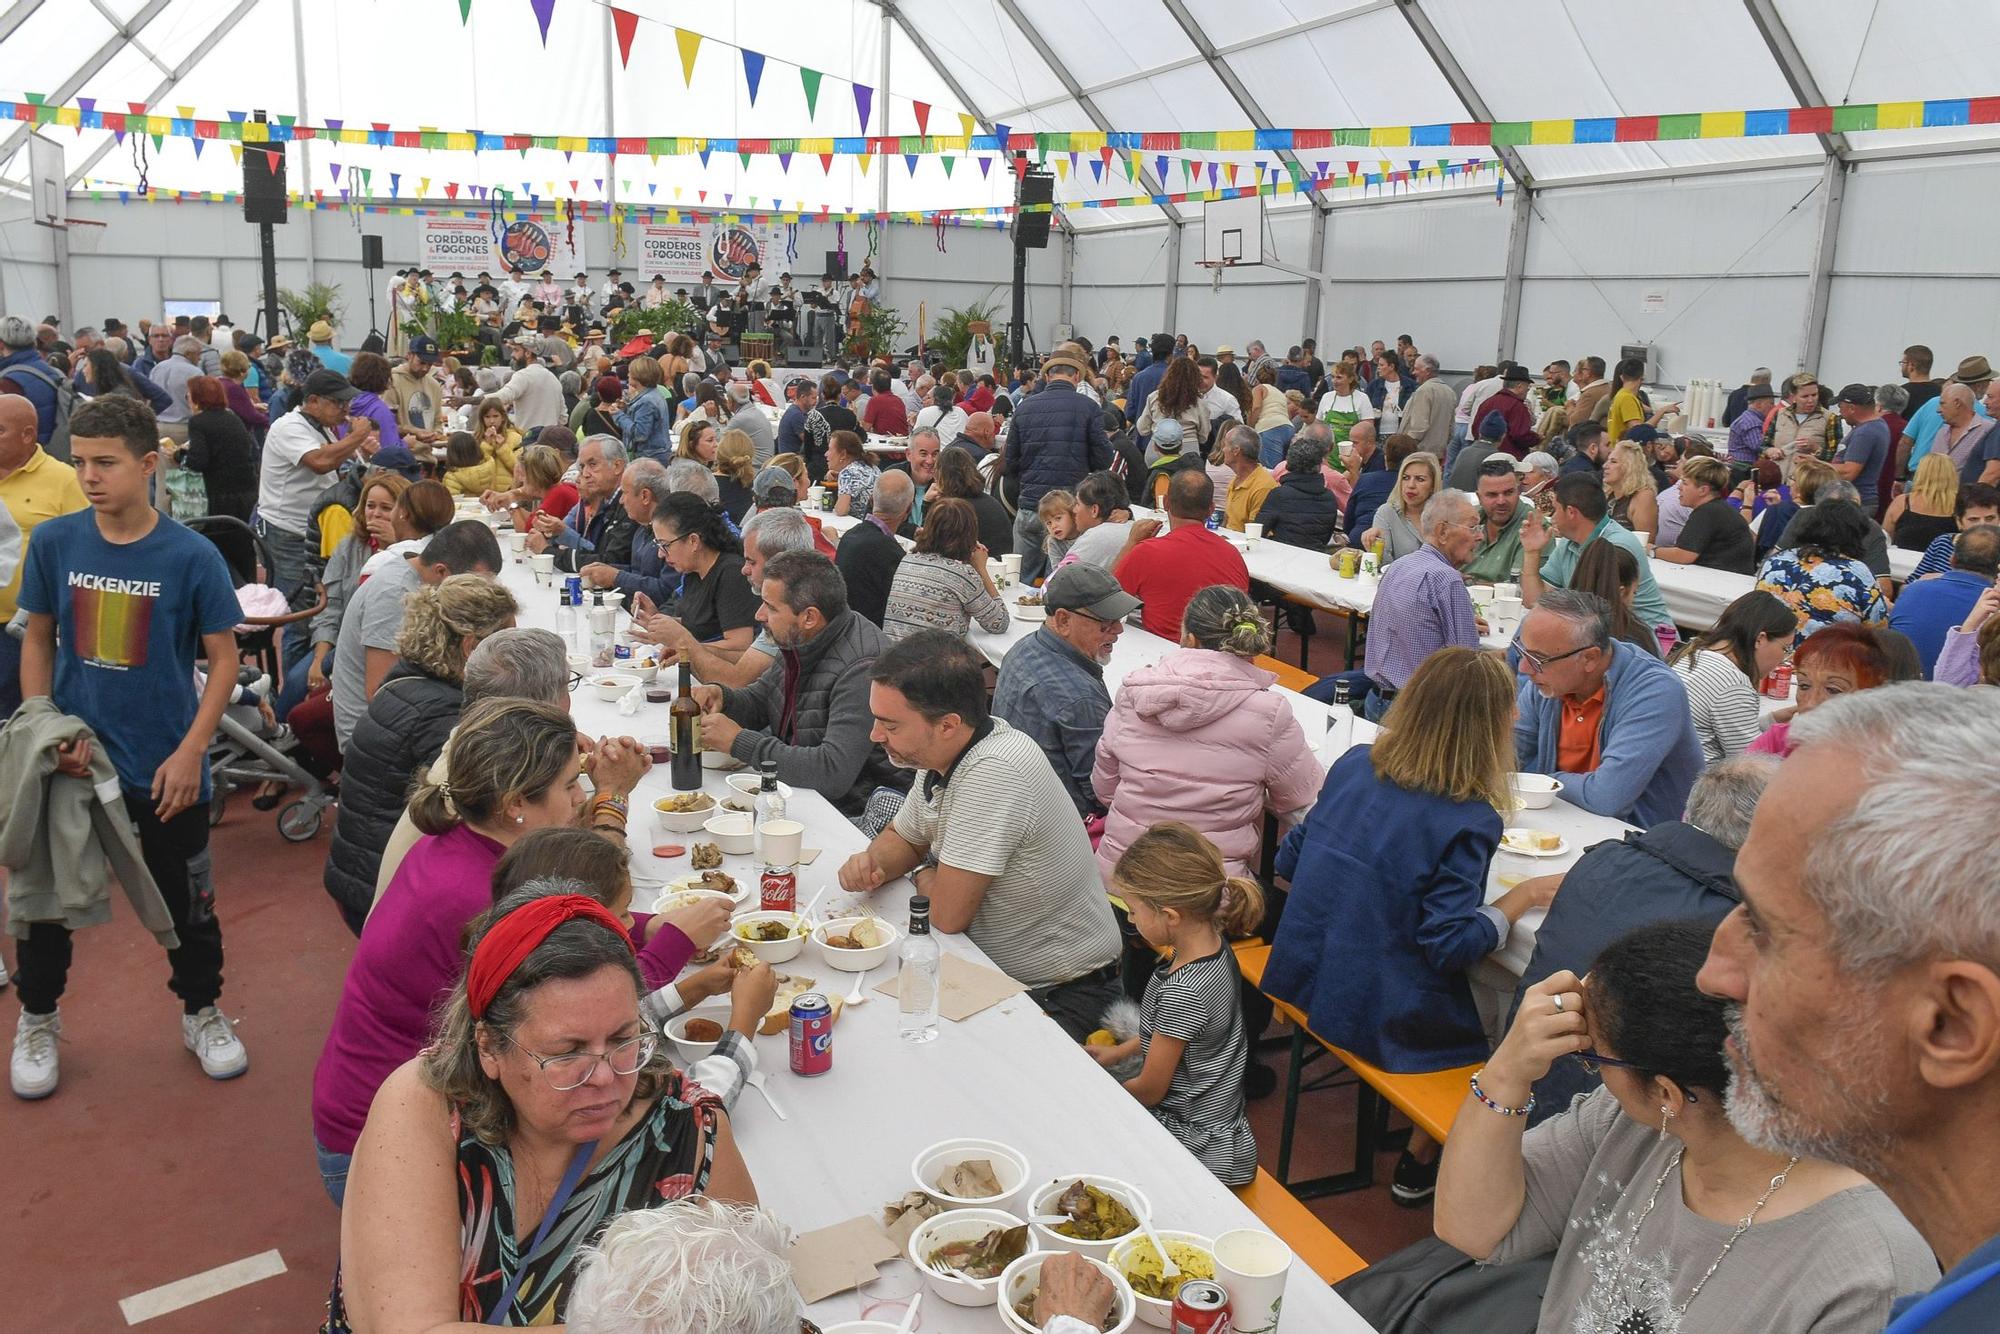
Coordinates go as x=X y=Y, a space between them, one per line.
x=917 y=982
x=767 y=805
x=1339 y=723
x=566 y=621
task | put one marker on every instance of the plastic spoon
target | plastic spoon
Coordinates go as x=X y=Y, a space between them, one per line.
x=910 y=1316
x=855 y=995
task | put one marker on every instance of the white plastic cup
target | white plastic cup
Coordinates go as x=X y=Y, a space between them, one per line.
x=1010 y=564
x=1252 y=1266
x=1506 y=590
x=780 y=841
x=1483 y=592
x=544 y=564
x=1506 y=610
x=1253 y=531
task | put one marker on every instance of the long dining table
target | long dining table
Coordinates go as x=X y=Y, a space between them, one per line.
x=1008 y=1073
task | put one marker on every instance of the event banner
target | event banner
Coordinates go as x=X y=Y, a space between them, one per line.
x=685 y=252
x=469 y=246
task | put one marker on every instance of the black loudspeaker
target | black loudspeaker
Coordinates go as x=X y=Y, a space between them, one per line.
x=835 y=268
x=264 y=183
x=371 y=252
x=1036 y=187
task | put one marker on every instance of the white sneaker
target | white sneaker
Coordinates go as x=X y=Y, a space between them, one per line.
x=34 y=1064
x=211 y=1036
x=3 y=972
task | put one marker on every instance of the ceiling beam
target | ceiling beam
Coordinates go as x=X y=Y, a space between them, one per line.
x=173 y=76
x=87 y=71
x=1454 y=74
x=1220 y=66
x=17 y=13
x=1075 y=90
x=1784 y=51
x=1223 y=49
x=951 y=82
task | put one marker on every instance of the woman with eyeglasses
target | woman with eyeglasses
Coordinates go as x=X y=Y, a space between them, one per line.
x=515 y=768
x=544 y=1108
x=1388 y=901
x=717 y=604
x=1651 y=1192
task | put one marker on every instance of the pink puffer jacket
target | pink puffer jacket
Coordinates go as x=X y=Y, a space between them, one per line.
x=1201 y=738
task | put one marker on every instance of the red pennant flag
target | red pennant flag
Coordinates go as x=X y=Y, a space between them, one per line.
x=826 y=162
x=703 y=194
x=1020 y=161
x=451 y=189
x=625 y=24
x=923 y=110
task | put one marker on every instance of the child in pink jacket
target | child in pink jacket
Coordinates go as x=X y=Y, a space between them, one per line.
x=1204 y=739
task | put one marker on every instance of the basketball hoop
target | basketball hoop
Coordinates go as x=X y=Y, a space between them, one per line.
x=1215 y=268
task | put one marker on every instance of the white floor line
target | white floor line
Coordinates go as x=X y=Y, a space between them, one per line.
x=200 y=1287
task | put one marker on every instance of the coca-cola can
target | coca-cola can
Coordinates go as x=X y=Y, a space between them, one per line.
x=1200 y=1307
x=779 y=890
x=1778 y=685
x=812 y=1034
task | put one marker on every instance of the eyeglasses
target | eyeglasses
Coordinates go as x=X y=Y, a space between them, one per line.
x=573 y=1069
x=1593 y=1063
x=668 y=545
x=1539 y=664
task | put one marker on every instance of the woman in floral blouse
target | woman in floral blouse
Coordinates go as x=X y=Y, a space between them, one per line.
x=1823 y=579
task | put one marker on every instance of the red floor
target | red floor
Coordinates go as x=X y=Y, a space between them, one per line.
x=140 y=1172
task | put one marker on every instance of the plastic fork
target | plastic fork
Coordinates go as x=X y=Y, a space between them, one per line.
x=1168 y=1269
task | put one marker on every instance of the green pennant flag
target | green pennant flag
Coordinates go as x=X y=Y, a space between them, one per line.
x=947 y=166
x=464 y=12
x=810 y=78
x=746 y=159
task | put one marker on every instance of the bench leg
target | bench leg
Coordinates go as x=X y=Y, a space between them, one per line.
x=1294 y=1066
x=1366 y=1134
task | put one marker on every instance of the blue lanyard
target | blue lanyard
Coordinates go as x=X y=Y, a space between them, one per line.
x=1942 y=1299
x=578 y=1161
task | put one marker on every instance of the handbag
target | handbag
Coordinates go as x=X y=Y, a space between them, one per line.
x=187 y=493
x=1432 y=1288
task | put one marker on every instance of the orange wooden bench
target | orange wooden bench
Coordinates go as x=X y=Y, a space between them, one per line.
x=1295 y=1225
x=1430 y=1100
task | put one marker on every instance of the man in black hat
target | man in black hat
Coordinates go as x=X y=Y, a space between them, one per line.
x=300 y=449
x=1510 y=402
x=613 y=281
x=1746 y=431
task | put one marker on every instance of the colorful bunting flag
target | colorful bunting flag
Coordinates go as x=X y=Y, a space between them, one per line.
x=625 y=24
x=809 y=79
x=753 y=75
x=689 y=43
x=544 y=10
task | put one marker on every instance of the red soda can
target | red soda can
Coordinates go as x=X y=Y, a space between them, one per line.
x=812 y=1034
x=1200 y=1307
x=780 y=889
x=1778 y=685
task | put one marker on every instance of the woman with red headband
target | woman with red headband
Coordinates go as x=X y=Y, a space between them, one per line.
x=544 y=1109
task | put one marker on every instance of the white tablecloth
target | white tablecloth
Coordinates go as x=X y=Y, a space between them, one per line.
x=1903 y=561
x=1008 y=1073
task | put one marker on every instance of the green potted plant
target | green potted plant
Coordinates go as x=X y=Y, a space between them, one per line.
x=670 y=317
x=880 y=329
x=457 y=331
x=319 y=301
x=955 y=328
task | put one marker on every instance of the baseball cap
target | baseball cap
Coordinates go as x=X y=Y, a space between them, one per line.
x=1859 y=395
x=1640 y=433
x=1167 y=436
x=775 y=485
x=424 y=346
x=1090 y=589
x=329 y=384
x=1502 y=456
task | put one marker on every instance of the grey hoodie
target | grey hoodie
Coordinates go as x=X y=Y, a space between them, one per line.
x=59 y=835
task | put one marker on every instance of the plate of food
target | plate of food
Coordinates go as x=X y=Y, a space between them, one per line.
x=1029 y=607
x=1533 y=843
x=710 y=882
x=774 y=937
x=973 y=1247
x=1139 y=1263
x=1021 y=1281
x=683 y=812
x=1102 y=1211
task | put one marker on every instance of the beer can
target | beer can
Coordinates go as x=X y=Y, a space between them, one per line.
x=575 y=585
x=1200 y=1307
x=1350 y=562
x=812 y=1034
x=780 y=890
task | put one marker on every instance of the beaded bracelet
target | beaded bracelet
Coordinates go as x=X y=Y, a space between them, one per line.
x=618 y=804
x=1480 y=1094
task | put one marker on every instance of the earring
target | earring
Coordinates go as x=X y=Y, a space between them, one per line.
x=521 y=819
x=1666 y=1115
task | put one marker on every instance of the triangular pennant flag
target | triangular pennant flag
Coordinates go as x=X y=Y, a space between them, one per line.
x=334 y=167
x=863 y=160
x=966 y=124
x=689 y=43
x=624 y=23
x=1096 y=171
x=1231 y=172
x=985 y=165
x=395 y=183
x=197 y=146
x=652 y=187
x=1160 y=169
x=704 y=154
x=910 y=161
x=600 y=184
x=923 y=110
x=809 y=79
x=1062 y=169
x=785 y=161
x=753 y=72
x=947 y=166
x=423 y=182
x=464 y=12
x=703 y=194
x=826 y=162
x=864 y=98
x=543 y=10
x=746 y=160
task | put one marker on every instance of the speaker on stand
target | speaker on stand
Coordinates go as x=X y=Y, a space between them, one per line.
x=371 y=263
x=1033 y=187
x=265 y=203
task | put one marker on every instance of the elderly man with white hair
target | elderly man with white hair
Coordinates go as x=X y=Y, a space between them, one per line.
x=1862 y=972
x=1422 y=604
x=173 y=375
x=747 y=416
x=1432 y=408
x=598 y=529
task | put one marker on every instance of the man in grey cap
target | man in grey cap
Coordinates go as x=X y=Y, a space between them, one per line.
x=532 y=393
x=747 y=416
x=1051 y=684
x=301 y=453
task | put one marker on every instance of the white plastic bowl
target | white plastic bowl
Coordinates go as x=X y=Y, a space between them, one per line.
x=671 y=898
x=687 y=1048
x=1025 y=1275
x=683 y=822
x=734 y=834
x=855 y=961
x=1010 y=1166
x=612 y=686
x=1043 y=1201
x=715 y=759
x=1533 y=792
x=770 y=951
x=959 y=1225
x=1153 y=1310
x=861 y=1327
x=749 y=784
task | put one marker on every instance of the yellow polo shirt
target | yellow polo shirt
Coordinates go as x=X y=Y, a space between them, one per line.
x=41 y=490
x=1247 y=495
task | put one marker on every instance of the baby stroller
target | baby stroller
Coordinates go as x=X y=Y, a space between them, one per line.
x=251 y=747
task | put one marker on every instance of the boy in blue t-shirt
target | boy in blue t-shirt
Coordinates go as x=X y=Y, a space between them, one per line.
x=121 y=601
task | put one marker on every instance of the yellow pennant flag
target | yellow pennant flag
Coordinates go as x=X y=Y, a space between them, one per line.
x=236 y=153
x=966 y=124
x=689 y=43
x=863 y=159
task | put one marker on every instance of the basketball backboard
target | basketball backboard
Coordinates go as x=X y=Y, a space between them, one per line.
x=45 y=168
x=1233 y=231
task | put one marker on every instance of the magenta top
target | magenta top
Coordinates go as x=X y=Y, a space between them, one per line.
x=405 y=965
x=1776 y=740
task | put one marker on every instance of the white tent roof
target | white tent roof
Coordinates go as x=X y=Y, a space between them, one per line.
x=1029 y=64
